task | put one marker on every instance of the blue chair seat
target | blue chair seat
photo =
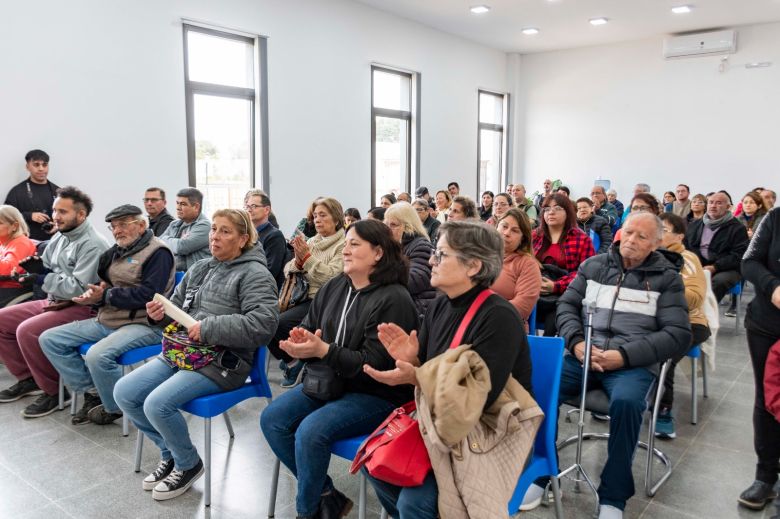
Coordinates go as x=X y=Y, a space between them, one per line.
x=348 y=448
x=210 y=406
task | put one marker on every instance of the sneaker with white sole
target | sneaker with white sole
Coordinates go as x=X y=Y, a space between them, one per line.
x=610 y=512
x=533 y=497
x=177 y=482
x=664 y=426
x=161 y=472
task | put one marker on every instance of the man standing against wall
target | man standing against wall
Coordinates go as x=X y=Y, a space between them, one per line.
x=34 y=196
x=682 y=205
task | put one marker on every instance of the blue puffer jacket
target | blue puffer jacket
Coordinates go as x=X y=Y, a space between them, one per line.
x=640 y=312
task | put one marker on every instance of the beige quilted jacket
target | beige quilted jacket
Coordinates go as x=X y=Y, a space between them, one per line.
x=476 y=456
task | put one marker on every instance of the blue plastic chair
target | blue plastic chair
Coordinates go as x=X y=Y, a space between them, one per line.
x=547 y=362
x=736 y=292
x=695 y=354
x=532 y=322
x=595 y=239
x=209 y=406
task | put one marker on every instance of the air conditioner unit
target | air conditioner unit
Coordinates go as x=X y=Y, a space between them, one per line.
x=700 y=44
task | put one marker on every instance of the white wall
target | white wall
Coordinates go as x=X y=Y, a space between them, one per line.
x=623 y=113
x=99 y=85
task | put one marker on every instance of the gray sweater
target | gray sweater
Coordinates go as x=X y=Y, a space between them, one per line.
x=188 y=241
x=237 y=304
x=72 y=257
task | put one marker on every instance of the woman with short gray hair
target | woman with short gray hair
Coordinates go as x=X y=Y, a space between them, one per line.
x=467 y=260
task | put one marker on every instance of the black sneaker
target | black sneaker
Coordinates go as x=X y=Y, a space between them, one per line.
x=757 y=495
x=161 y=472
x=177 y=482
x=335 y=505
x=98 y=415
x=43 y=405
x=292 y=375
x=26 y=387
x=90 y=402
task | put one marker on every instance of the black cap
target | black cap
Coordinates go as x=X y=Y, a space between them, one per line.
x=122 y=211
x=421 y=191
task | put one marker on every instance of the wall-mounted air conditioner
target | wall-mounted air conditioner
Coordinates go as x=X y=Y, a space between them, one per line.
x=700 y=44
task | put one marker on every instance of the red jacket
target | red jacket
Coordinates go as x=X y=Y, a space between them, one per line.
x=772 y=381
x=577 y=247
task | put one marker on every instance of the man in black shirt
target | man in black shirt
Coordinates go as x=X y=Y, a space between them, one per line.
x=154 y=203
x=34 y=196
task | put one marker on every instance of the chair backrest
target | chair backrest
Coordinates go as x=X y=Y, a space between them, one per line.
x=178 y=277
x=532 y=322
x=595 y=239
x=547 y=364
x=257 y=374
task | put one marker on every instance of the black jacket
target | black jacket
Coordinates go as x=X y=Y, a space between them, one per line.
x=646 y=319
x=727 y=246
x=275 y=248
x=600 y=226
x=29 y=197
x=360 y=345
x=761 y=266
x=160 y=222
x=418 y=250
x=432 y=225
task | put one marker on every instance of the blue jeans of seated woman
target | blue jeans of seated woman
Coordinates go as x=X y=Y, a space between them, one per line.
x=151 y=397
x=420 y=502
x=301 y=430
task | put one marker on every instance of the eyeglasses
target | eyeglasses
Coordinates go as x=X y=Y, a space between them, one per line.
x=121 y=225
x=421 y=209
x=252 y=207
x=641 y=208
x=438 y=254
x=553 y=209
x=144 y=200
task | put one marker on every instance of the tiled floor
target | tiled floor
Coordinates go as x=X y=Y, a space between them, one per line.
x=50 y=469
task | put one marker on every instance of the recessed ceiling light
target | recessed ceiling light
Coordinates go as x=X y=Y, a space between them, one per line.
x=480 y=9
x=682 y=9
x=530 y=31
x=598 y=21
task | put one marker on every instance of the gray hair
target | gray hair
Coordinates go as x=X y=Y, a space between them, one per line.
x=405 y=213
x=659 y=231
x=611 y=192
x=644 y=187
x=476 y=241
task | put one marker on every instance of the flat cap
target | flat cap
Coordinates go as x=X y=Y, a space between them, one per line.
x=122 y=211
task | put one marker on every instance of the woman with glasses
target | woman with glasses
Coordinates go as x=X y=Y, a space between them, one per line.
x=695 y=295
x=560 y=246
x=642 y=203
x=15 y=245
x=339 y=337
x=520 y=280
x=467 y=261
x=501 y=204
x=232 y=299
x=318 y=260
x=761 y=267
x=698 y=207
x=407 y=230
x=430 y=223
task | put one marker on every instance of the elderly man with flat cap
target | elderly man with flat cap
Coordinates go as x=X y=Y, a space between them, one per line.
x=131 y=272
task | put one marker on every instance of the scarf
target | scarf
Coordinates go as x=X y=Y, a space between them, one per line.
x=714 y=224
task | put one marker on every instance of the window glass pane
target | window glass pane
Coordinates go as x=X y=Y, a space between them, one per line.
x=223 y=134
x=391 y=155
x=491 y=109
x=222 y=61
x=490 y=161
x=392 y=91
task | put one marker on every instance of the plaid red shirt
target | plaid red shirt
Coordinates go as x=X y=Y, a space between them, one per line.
x=577 y=247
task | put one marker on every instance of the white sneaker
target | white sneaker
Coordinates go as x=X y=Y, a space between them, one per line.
x=610 y=512
x=533 y=497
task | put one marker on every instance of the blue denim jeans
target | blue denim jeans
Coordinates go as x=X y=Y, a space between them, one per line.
x=99 y=368
x=420 y=502
x=301 y=430
x=151 y=397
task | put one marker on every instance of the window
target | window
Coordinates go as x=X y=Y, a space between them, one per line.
x=393 y=131
x=491 y=142
x=225 y=107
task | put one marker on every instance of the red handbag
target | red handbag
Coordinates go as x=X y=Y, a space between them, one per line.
x=395 y=452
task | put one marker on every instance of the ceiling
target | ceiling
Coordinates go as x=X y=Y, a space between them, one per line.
x=563 y=24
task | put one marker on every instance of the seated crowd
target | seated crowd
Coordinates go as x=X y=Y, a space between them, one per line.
x=361 y=314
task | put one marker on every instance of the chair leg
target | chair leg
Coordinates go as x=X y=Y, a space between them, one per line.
x=207 y=461
x=125 y=420
x=61 y=401
x=267 y=363
x=362 y=499
x=274 y=488
x=704 y=374
x=229 y=424
x=556 y=489
x=74 y=403
x=694 y=396
x=139 y=447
